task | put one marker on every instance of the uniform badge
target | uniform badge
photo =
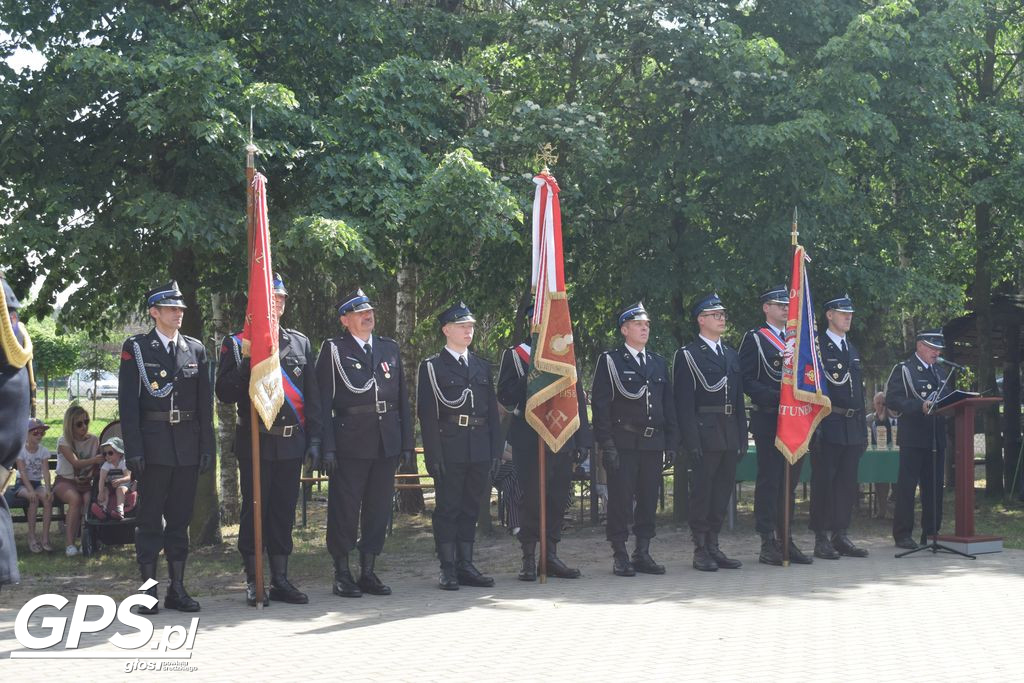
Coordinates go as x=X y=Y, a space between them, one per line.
x=154 y=385
x=298 y=371
x=839 y=365
x=920 y=369
x=835 y=375
x=929 y=386
x=155 y=344
x=163 y=373
x=359 y=366
x=923 y=394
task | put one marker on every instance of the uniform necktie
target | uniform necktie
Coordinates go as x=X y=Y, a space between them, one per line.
x=782 y=335
x=368 y=350
x=170 y=349
x=718 y=350
x=643 y=360
x=462 y=361
x=842 y=345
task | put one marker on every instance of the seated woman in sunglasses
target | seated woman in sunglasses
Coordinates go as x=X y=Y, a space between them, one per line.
x=77 y=458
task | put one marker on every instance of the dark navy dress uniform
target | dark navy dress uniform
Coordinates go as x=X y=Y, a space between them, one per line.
x=296 y=428
x=166 y=406
x=368 y=425
x=921 y=439
x=839 y=443
x=708 y=387
x=523 y=438
x=15 y=396
x=634 y=417
x=461 y=431
x=761 y=357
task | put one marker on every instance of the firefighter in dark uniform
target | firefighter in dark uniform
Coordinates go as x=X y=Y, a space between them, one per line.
x=761 y=353
x=294 y=435
x=458 y=413
x=910 y=393
x=708 y=387
x=840 y=439
x=515 y=362
x=368 y=426
x=635 y=425
x=166 y=406
x=15 y=396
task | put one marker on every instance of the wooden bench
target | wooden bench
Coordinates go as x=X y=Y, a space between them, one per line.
x=15 y=503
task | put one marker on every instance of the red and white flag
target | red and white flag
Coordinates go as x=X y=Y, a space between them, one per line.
x=260 y=333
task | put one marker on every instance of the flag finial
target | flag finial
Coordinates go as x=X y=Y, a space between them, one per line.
x=547 y=157
x=795 y=231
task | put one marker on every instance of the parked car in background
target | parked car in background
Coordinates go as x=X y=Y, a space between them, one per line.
x=86 y=382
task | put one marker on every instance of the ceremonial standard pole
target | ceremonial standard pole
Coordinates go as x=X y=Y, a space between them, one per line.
x=254 y=431
x=788 y=465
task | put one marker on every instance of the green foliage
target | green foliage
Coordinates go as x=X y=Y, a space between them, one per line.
x=53 y=354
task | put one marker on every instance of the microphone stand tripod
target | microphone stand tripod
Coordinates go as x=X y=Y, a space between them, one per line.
x=935 y=546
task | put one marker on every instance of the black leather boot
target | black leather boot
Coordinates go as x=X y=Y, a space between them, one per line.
x=344 y=584
x=368 y=580
x=642 y=560
x=448 y=580
x=250 y=582
x=468 y=574
x=718 y=556
x=555 y=567
x=701 y=559
x=148 y=571
x=844 y=546
x=621 y=566
x=771 y=553
x=281 y=589
x=529 y=570
x=823 y=547
x=796 y=556
x=177 y=597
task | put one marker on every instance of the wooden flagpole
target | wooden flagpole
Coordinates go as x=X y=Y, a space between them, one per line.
x=542 y=566
x=787 y=492
x=254 y=431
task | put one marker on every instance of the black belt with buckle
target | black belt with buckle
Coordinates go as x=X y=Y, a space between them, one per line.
x=846 y=412
x=763 y=409
x=286 y=431
x=726 y=409
x=172 y=416
x=645 y=431
x=378 y=407
x=464 y=420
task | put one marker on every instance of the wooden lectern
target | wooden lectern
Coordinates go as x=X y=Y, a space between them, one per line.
x=965 y=540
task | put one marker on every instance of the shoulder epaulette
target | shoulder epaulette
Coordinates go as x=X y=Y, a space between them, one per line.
x=191 y=339
x=295 y=332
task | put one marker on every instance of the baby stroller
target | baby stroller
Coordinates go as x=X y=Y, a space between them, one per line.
x=101 y=530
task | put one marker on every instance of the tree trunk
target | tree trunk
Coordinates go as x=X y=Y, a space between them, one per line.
x=205 y=526
x=982 y=291
x=410 y=502
x=226 y=421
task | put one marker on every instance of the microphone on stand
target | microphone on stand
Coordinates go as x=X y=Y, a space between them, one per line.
x=955 y=366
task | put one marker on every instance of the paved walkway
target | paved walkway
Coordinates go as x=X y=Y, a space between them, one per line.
x=914 y=619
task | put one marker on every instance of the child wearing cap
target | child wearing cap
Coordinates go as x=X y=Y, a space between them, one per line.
x=34 y=483
x=115 y=477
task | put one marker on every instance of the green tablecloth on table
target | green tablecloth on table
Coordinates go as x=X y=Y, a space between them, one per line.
x=876 y=465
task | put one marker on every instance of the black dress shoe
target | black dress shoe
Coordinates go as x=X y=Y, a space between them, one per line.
x=720 y=558
x=466 y=571
x=703 y=561
x=621 y=566
x=907 y=543
x=823 y=549
x=642 y=560
x=281 y=589
x=796 y=556
x=344 y=585
x=447 y=579
x=771 y=553
x=560 y=570
x=369 y=582
x=924 y=538
x=529 y=570
x=177 y=597
x=844 y=546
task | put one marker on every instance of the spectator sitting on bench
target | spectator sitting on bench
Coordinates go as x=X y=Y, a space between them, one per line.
x=33 y=483
x=77 y=458
x=114 y=494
